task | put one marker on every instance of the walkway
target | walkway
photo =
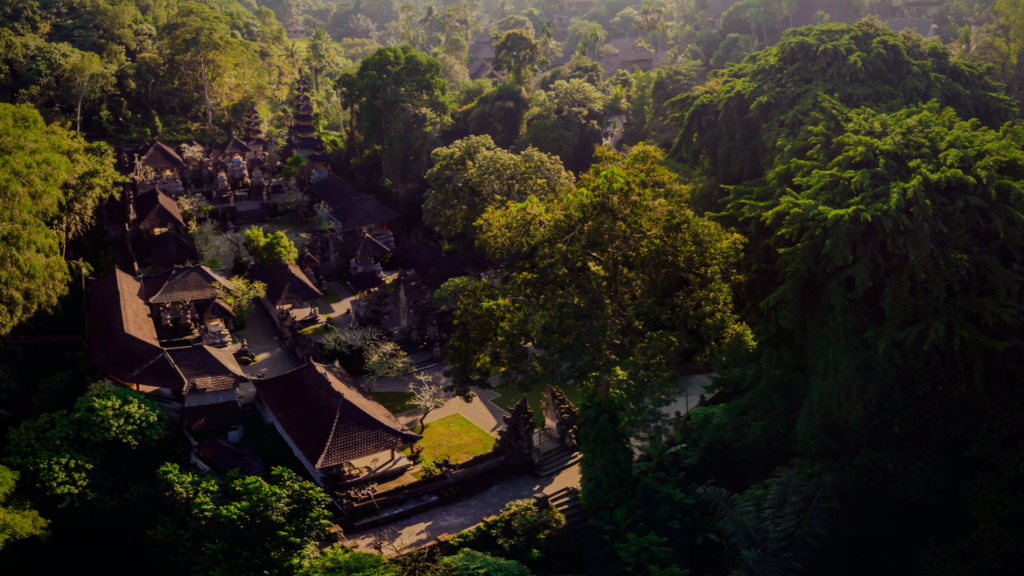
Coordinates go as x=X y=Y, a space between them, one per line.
x=686 y=401
x=462 y=514
x=273 y=359
x=482 y=411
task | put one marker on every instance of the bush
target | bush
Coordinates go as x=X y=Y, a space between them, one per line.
x=539 y=539
x=341 y=561
x=472 y=563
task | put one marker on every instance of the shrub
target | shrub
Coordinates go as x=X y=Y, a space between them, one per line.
x=472 y=563
x=539 y=539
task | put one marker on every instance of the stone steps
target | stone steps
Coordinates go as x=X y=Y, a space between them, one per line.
x=249 y=217
x=554 y=461
x=589 y=537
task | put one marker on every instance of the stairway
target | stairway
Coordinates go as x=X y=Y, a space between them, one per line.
x=422 y=357
x=247 y=218
x=111 y=215
x=592 y=545
x=332 y=276
x=554 y=461
x=387 y=239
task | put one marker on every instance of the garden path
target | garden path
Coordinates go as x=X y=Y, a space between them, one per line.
x=482 y=411
x=454 y=517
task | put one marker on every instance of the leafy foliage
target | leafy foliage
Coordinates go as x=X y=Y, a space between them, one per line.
x=61 y=454
x=586 y=283
x=268 y=250
x=521 y=533
x=470 y=563
x=17 y=520
x=283 y=517
x=518 y=54
x=51 y=182
x=727 y=125
x=473 y=175
x=240 y=297
x=565 y=121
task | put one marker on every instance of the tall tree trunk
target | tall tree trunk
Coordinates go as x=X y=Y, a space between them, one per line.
x=79 y=119
x=206 y=97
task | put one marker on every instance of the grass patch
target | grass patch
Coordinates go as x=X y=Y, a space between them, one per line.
x=281 y=224
x=331 y=297
x=395 y=402
x=314 y=331
x=453 y=437
x=509 y=398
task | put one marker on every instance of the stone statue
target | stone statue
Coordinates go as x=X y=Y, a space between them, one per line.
x=516 y=440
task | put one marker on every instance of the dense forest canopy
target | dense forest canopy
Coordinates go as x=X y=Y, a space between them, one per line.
x=822 y=202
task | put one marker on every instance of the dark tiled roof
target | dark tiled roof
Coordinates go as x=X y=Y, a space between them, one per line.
x=431 y=266
x=257 y=142
x=309 y=144
x=334 y=191
x=303 y=98
x=217 y=309
x=171 y=247
x=185 y=284
x=305 y=108
x=222 y=456
x=303 y=118
x=160 y=156
x=328 y=417
x=286 y=284
x=219 y=416
x=363 y=212
x=349 y=207
x=365 y=281
x=318 y=158
x=155 y=209
x=207 y=369
x=258 y=162
x=307 y=259
x=122 y=336
x=235 y=146
x=363 y=245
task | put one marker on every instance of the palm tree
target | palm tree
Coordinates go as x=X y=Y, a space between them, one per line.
x=319 y=54
x=549 y=29
x=430 y=19
x=595 y=38
x=781 y=537
x=292 y=52
x=291 y=167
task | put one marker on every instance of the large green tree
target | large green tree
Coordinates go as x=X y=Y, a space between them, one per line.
x=17 y=520
x=399 y=98
x=616 y=276
x=242 y=525
x=64 y=455
x=517 y=54
x=51 y=182
x=498 y=113
x=732 y=124
x=473 y=175
x=566 y=121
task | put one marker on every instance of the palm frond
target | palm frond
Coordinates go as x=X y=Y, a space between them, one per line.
x=734 y=515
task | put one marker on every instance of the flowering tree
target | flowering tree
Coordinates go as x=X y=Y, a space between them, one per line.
x=427 y=396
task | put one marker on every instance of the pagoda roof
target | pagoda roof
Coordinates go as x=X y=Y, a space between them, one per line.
x=154 y=209
x=328 y=417
x=287 y=284
x=234 y=146
x=171 y=247
x=363 y=245
x=159 y=156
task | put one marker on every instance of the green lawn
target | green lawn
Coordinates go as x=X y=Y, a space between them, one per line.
x=331 y=297
x=395 y=402
x=454 y=437
x=315 y=331
x=509 y=398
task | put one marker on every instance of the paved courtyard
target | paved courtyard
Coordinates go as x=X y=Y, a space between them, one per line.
x=456 y=516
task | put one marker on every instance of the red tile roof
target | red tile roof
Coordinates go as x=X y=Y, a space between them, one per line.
x=287 y=284
x=154 y=209
x=328 y=417
x=207 y=369
x=211 y=416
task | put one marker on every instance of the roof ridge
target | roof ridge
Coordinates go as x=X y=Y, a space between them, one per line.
x=337 y=416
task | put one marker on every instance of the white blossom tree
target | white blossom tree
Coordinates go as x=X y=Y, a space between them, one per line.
x=427 y=396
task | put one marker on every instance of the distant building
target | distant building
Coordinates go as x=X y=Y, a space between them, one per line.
x=296 y=30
